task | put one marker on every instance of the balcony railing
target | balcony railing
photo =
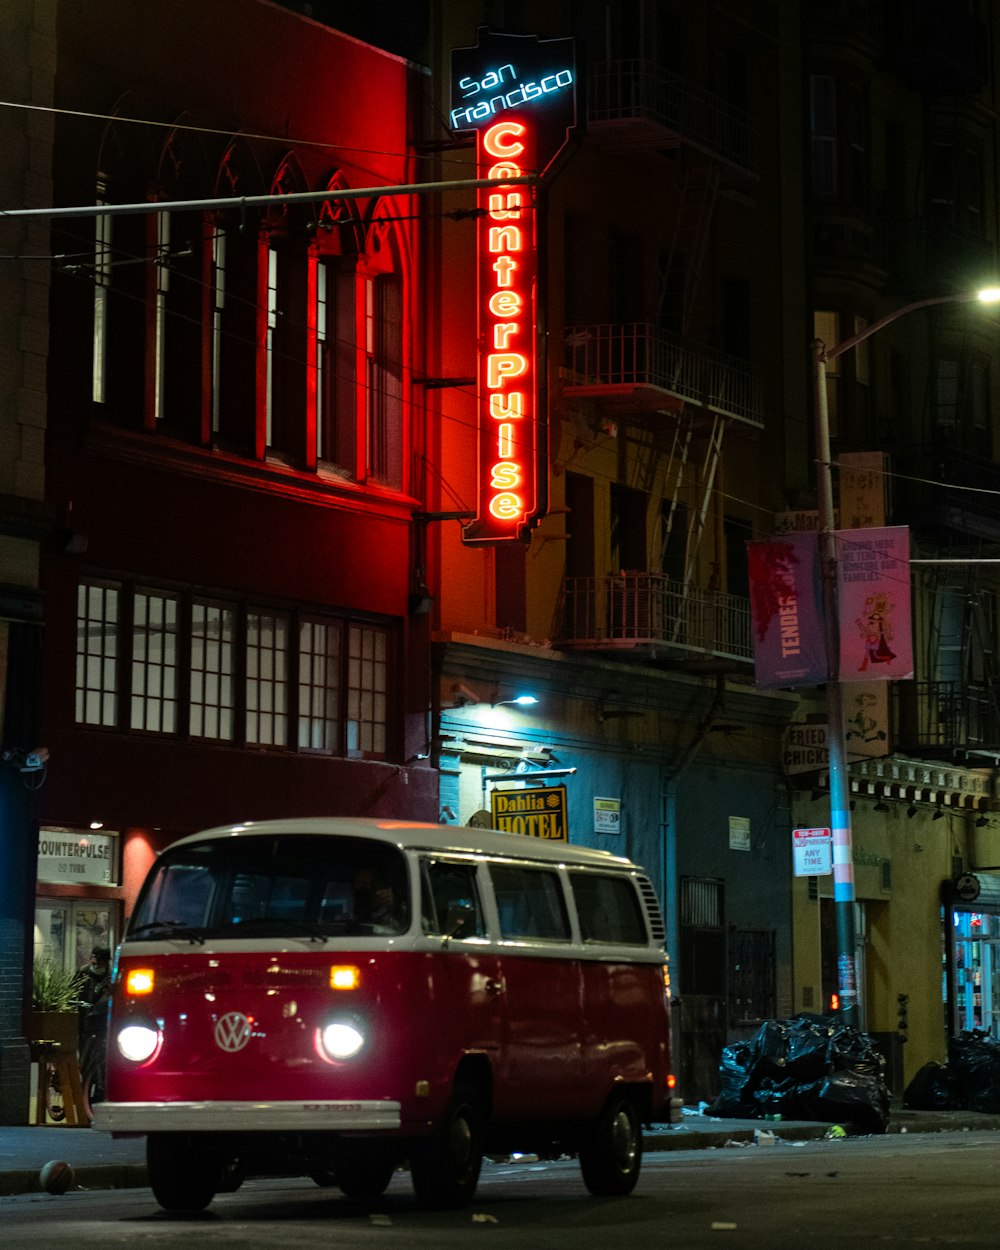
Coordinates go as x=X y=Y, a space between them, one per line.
x=638 y=90
x=943 y=715
x=651 y=610
x=941 y=486
x=639 y=357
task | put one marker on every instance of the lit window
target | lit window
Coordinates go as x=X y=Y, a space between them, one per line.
x=267 y=679
x=383 y=390
x=367 y=688
x=212 y=628
x=154 y=663
x=319 y=685
x=162 y=272
x=97 y=654
x=102 y=287
x=336 y=367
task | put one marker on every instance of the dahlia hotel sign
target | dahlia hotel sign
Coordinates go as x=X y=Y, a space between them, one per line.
x=518 y=93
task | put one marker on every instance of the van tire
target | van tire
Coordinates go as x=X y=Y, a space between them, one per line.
x=183 y=1175
x=611 y=1157
x=444 y=1167
x=362 y=1181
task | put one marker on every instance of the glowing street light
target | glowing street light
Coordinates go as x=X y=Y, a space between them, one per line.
x=840 y=806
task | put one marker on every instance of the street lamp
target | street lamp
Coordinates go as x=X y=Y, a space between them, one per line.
x=840 y=806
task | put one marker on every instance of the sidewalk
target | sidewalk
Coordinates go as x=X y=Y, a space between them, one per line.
x=102 y=1162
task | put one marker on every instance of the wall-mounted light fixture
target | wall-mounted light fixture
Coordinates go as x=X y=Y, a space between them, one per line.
x=911 y=811
x=882 y=806
x=938 y=815
x=521 y=700
x=982 y=822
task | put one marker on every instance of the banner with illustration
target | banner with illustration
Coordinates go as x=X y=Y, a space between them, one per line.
x=873 y=597
x=786 y=609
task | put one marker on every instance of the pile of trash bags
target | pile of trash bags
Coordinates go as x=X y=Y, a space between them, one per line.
x=969 y=1081
x=808 y=1068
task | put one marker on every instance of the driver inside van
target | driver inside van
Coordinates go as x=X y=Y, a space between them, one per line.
x=375 y=902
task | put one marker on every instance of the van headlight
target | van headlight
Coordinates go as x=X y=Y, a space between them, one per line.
x=138 y=1042
x=341 y=1039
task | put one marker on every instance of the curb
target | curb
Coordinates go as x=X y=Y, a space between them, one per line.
x=657 y=1140
x=99 y=1176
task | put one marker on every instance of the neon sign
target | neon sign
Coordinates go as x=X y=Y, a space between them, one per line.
x=521 y=109
x=523 y=93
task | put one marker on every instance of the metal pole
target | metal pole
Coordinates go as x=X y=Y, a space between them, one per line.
x=840 y=790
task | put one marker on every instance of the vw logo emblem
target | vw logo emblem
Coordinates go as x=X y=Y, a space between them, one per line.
x=232 y=1031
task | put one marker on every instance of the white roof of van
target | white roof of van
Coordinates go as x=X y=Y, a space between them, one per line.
x=416 y=834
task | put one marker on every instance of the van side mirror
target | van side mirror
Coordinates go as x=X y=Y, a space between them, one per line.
x=460 y=921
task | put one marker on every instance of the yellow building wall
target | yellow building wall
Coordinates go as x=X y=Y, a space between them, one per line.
x=904 y=951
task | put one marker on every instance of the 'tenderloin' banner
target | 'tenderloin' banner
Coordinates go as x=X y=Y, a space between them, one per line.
x=786 y=606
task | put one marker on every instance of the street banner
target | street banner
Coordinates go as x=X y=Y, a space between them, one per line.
x=785 y=603
x=873 y=598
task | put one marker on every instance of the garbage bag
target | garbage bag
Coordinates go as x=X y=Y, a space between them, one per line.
x=859 y=1097
x=810 y=1068
x=974 y=1066
x=734 y=1077
x=769 y=1050
x=932 y=1089
x=808 y=1047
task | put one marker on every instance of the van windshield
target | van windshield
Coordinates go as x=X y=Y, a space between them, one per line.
x=310 y=887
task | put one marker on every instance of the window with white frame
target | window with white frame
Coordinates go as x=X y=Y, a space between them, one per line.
x=212 y=646
x=320 y=655
x=97 y=633
x=267 y=679
x=367 y=690
x=224 y=671
x=153 y=693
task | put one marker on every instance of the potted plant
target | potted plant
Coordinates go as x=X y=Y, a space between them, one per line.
x=54 y=1005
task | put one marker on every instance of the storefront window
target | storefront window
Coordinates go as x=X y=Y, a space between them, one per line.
x=977 y=971
x=68 y=928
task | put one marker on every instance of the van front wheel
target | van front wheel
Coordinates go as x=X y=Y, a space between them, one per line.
x=445 y=1167
x=611 y=1157
x=182 y=1175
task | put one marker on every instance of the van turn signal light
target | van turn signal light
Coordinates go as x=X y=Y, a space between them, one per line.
x=344 y=977
x=139 y=981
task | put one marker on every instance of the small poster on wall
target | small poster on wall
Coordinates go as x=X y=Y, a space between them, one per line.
x=739 y=833
x=607 y=816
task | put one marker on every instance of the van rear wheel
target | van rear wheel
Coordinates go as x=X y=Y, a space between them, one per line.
x=445 y=1167
x=183 y=1175
x=611 y=1157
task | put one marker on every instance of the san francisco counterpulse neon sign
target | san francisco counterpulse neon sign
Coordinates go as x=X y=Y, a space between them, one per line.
x=518 y=94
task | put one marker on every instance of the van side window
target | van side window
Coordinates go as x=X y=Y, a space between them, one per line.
x=450 y=900
x=530 y=902
x=608 y=909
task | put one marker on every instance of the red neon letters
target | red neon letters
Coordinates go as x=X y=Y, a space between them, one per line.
x=507 y=272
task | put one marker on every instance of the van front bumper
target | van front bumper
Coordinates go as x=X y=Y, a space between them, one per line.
x=246 y=1117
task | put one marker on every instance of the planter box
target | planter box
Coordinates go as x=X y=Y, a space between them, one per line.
x=55 y=1026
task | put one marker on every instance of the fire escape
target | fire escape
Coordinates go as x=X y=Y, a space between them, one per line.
x=686 y=392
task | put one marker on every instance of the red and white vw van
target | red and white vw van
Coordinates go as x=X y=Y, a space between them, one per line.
x=337 y=997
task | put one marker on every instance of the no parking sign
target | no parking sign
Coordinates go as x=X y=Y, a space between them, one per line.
x=812 y=852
